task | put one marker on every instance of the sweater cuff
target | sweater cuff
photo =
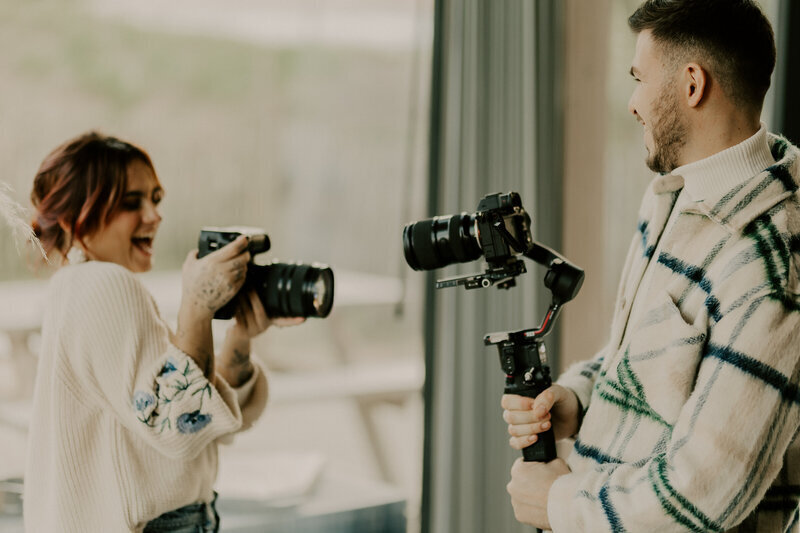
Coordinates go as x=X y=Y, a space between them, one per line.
x=581 y=386
x=252 y=396
x=244 y=390
x=559 y=499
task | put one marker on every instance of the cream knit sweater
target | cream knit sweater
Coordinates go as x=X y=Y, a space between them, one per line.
x=125 y=426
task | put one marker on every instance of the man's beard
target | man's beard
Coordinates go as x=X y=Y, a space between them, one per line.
x=668 y=130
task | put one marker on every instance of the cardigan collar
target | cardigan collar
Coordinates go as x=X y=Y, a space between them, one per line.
x=716 y=175
x=730 y=199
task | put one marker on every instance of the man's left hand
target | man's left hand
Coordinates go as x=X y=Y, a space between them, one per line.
x=529 y=486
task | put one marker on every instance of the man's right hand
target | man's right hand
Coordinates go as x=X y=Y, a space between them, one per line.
x=556 y=407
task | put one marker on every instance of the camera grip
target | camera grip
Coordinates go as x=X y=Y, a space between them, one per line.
x=543 y=450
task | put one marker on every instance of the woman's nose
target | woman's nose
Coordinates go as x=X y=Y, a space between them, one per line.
x=151 y=214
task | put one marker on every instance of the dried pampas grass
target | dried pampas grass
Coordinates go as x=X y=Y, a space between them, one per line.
x=14 y=216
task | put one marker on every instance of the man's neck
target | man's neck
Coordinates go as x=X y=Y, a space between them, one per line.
x=715 y=133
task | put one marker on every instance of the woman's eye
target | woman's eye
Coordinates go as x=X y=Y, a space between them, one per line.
x=131 y=205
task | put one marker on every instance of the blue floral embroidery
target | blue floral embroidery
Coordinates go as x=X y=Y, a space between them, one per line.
x=169 y=367
x=192 y=422
x=142 y=400
x=174 y=387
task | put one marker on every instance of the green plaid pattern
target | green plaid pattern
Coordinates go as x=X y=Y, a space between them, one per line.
x=694 y=405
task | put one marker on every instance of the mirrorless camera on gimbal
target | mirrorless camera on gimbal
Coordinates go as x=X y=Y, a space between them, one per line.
x=500 y=231
x=285 y=289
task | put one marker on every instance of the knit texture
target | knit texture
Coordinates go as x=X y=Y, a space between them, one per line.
x=125 y=425
x=693 y=407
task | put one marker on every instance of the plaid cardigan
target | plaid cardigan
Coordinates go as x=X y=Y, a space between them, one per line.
x=693 y=407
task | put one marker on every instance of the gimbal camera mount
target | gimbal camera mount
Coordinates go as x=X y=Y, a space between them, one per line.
x=522 y=353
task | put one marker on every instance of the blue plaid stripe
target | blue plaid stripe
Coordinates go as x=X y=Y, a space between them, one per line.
x=756 y=369
x=697 y=276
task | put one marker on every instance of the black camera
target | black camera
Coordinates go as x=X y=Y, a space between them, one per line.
x=499 y=230
x=285 y=289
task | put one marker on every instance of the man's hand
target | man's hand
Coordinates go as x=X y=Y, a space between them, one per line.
x=529 y=487
x=526 y=417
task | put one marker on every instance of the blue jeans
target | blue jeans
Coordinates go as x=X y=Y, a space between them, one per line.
x=194 y=518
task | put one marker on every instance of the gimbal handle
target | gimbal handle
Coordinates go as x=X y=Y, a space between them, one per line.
x=522 y=359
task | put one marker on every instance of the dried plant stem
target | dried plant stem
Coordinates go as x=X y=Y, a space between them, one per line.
x=15 y=217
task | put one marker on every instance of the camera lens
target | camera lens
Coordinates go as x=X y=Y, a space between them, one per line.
x=294 y=289
x=440 y=241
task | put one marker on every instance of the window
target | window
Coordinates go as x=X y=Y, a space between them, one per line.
x=305 y=118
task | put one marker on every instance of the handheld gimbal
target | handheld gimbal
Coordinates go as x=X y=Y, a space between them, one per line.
x=500 y=231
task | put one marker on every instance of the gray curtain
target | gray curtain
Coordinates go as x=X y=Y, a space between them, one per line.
x=496 y=127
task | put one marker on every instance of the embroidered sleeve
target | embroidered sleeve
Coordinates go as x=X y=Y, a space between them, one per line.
x=165 y=406
x=122 y=355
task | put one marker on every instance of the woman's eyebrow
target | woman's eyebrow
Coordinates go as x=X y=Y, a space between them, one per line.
x=138 y=192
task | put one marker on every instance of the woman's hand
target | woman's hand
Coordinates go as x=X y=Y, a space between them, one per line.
x=252 y=319
x=233 y=362
x=556 y=407
x=210 y=282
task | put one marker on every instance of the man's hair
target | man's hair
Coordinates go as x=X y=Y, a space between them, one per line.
x=731 y=38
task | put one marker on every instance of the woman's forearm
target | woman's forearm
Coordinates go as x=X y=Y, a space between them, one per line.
x=194 y=337
x=233 y=362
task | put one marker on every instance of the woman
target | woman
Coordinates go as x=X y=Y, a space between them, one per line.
x=126 y=413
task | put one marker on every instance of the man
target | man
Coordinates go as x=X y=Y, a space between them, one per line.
x=686 y=420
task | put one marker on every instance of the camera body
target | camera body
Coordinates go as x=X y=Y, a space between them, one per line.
x=499 y=230
x=285 y=289
x=504 y=228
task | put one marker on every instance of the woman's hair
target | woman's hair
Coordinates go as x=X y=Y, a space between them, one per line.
x=79 y=187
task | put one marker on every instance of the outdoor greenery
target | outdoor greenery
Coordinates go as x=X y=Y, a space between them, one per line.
x=309 y=142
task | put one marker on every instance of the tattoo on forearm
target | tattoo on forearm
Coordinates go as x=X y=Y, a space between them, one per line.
x=245 y=374
x=240 y=358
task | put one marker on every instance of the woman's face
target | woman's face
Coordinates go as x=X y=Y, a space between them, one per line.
x=127 y=239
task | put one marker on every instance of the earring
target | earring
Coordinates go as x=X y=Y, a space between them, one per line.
x=75 y=256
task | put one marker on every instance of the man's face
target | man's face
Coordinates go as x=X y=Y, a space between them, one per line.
x=654 y=103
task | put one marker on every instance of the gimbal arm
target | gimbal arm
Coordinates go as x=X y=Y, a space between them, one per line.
x=563 y=278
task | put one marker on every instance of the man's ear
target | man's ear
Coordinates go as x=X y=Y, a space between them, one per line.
x=695 y=80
